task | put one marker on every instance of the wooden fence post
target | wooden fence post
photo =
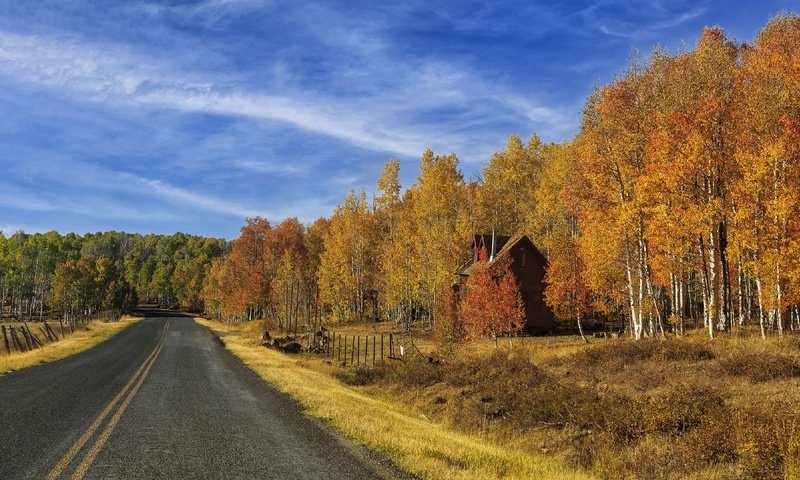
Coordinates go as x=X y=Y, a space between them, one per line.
x=352 y=350
x=345 y=349
x=15 y=339
x=391 y=345
x=52 y=333
x=5 y=340
x=358 y=350
x=381 y=348
x=45 y=334
x=26 y=337
x=35 y=340
x=373 y=350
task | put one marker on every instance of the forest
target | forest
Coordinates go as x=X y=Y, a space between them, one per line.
x=101 y=275
x=675 y=204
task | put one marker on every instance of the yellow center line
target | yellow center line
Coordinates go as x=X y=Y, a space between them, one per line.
x=83 y=467
x=76 y=447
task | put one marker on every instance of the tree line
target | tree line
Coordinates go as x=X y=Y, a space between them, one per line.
x=74 y=276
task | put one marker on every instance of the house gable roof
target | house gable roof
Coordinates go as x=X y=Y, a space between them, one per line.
x=507 y=247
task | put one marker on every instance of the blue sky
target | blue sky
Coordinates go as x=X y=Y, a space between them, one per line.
x=189 y=116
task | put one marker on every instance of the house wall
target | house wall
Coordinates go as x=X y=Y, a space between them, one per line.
x=529 y=268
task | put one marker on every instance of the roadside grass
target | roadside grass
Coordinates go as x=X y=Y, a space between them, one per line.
x=85 y=337
x=414 y=442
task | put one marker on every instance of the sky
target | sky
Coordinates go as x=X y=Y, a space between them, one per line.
x=157 y=117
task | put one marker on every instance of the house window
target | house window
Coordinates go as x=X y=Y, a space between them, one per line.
x=522 y=259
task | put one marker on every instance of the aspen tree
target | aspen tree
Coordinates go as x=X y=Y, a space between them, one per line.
x=768 y=154
x=439 y=199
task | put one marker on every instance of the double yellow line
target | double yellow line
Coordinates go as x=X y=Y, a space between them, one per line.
x=130 y=388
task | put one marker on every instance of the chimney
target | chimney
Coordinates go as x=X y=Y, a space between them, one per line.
x=494 y=245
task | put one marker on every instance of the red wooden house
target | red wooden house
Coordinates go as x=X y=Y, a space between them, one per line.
x=528 y=265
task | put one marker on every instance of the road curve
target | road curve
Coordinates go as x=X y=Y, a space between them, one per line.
x=164 y=399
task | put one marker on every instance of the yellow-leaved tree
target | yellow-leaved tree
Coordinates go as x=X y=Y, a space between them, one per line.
x=505 y=199
x=438 y=206
x=347 y=271
x=768 y=156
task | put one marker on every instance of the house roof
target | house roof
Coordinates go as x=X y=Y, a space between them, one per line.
x=506 y=247
x=486 y=241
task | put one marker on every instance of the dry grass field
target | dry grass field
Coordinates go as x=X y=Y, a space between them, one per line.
x=86 y=336
x=662 y=409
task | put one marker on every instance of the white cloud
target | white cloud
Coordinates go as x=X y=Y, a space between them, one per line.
x=281 y=169
x=89 y=205
x=383 y=118
x=189 y=198
x=642 y=19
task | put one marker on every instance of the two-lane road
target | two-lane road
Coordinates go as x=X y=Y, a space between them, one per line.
x=164 y=399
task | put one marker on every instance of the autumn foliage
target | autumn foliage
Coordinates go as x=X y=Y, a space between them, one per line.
x=492 y=304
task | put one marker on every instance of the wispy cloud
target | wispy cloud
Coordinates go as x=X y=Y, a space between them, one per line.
x=10 y=229
x=642 y=19
x=90 y=206
x=188 y=198
x=100 y=185
x=377 y=120
x=273 y=168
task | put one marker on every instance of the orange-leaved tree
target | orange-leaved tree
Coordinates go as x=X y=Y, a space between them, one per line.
x=492 y=304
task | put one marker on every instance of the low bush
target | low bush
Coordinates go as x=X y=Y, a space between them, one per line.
x=673 y=350
x=761 y=367
x=616 y=355
x=361 y=376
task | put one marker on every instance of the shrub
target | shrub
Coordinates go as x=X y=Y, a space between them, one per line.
x=360 y=376
x=416 y=371
x=616 y=355
x=768 y=439
x=683 y=409
x=676 y=433
x=680 y=350
x=761 y=367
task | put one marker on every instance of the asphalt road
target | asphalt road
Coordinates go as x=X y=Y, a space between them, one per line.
x=164 y=399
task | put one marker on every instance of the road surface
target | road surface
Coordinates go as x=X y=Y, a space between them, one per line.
x=164 y=399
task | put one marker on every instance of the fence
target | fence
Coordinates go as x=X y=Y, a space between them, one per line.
x=22 y=339
x=362 y=349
